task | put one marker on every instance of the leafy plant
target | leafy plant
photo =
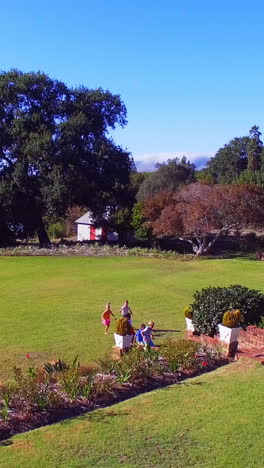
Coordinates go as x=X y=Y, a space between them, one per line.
x=70 y=382
x=188 y=312
x=60 y=366
x=261 y=322
x=211 y=303
x=123 y=327
x=181 y=354
x=103 y=386
x=106 y=365
x=86 y=387
x=7 y=392
x=232 y=318
x=4 y=411
x=31 y=392
x=123 y=372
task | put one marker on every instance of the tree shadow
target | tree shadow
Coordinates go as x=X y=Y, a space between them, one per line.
x=6 y=443
x=186 y=384
x=100 y=416
x=159 y=333
x=230 y=255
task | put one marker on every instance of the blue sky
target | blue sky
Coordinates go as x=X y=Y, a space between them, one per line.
x=190 y=72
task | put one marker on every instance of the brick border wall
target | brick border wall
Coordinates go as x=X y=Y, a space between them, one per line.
x=252 y=337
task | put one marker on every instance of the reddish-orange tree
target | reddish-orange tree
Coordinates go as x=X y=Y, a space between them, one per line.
x=199 y=210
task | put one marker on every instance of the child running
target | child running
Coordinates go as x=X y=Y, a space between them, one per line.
x=106 y=317
x=147 y=335
x=139 y=337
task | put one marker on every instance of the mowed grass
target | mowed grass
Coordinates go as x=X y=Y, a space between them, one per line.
x=212 y=421
x=51 y=307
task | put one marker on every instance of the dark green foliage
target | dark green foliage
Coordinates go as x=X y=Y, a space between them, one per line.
x=138 y=220
x=232 y=318
x=255 y=148
x=261 y=322
x=57 y=230
x=55 y=151
x=169 y=176
x=123 y=327
x=211 y=303
x=251 y=177
x=229 y=161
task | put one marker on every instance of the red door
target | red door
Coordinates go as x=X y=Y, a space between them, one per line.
x=92 y=233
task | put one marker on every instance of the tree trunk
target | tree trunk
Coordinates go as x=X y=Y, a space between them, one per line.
x=43 y=235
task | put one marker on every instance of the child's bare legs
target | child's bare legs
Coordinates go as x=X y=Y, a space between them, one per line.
x=107 y=325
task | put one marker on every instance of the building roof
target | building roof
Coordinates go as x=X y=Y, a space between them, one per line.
x=85 y=219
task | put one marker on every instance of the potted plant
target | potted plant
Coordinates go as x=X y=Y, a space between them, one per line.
x=229 y=330
x=124 y=333
x=188 y=317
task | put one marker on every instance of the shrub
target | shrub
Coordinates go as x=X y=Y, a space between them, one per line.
x=31 y=394
x=57 y=230
x=106 y=364
x=261 y=322
x=232 y=318
x=103 y=386
x=140 y=363
x=211 y=303
x=181 y=355
x=188 y=312
x=123 y=327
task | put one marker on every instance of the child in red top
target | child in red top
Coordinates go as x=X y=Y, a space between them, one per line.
x=106 y=317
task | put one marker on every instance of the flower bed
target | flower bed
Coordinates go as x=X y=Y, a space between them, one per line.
x=92 y=250
x=59 y=390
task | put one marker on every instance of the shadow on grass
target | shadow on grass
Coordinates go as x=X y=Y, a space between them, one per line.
x=98 y=417
x=159 y=333
x=230 y=255
x=6 y=443
x=186 y=384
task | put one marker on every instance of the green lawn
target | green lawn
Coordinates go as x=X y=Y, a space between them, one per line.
x=51 y=307
x=212 y=421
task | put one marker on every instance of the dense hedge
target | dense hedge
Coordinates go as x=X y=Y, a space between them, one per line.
x=211 y=303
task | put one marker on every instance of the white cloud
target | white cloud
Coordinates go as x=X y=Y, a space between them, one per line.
x=147 y=161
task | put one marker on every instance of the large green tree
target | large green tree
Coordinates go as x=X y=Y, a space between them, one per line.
x=55 y=150
x=255 y=148
x=170 y=175
x=228 y=163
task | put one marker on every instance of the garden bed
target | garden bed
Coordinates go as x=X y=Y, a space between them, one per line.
x=59 y=391
x=90 y=250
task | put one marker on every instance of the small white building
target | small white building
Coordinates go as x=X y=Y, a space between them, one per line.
x=86 y=230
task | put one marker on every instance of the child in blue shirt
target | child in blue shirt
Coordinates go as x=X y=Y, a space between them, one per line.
x=147 y=335
x=139 y=337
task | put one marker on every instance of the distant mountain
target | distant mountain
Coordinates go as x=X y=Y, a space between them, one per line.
x=147 y=161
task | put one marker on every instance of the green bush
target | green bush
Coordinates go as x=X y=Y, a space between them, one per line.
x=232 y=318
x=57 y=230
x=211 y=303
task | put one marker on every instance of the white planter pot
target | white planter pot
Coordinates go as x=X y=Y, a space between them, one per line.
x=228 y=335
x=123 y=341
x=189 y=324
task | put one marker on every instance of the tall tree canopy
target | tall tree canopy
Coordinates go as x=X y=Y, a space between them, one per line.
x=169 y=176
x=242 y=159
x=255 y=148
x=197 y=210
x=229 y=161
x=55 y=150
